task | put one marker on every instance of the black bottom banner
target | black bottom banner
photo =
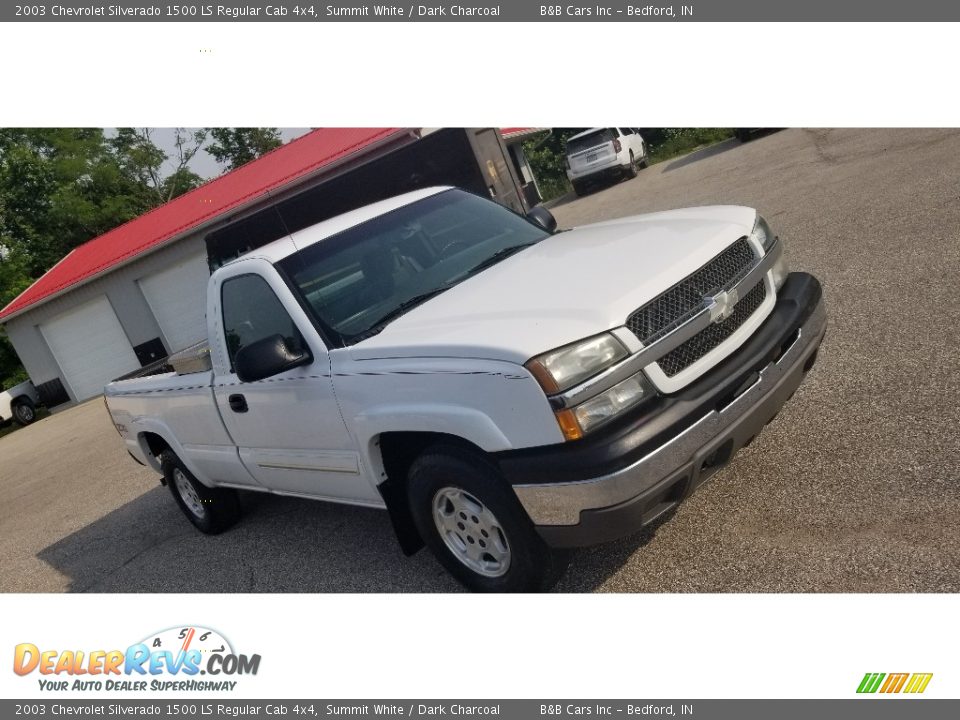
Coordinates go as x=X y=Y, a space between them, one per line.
x=872 y=708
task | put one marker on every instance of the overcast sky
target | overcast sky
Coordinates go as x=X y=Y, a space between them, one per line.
x=202 y=164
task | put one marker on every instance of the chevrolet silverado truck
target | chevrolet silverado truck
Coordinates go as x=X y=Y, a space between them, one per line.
x=505 y=390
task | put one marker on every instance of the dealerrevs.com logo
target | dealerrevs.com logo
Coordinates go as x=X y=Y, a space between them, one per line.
x=910 y=683
x=172 y=659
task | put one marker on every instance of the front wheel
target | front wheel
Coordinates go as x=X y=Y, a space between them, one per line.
x=24 y=413
x=473 y=523
x=211 y=510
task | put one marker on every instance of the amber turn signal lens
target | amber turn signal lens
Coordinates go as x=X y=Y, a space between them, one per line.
x=543 y=376
x=569 y=425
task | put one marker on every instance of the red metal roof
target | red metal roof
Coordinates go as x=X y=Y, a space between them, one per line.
x=512 y=133
x=283 y=166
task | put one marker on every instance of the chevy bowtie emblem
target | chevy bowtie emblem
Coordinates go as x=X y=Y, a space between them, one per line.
x=721 y=305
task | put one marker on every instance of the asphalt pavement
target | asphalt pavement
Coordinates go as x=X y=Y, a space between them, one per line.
x=853 y=488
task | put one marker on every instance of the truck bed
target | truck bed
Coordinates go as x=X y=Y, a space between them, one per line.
x=178 y=407
x=192 y=359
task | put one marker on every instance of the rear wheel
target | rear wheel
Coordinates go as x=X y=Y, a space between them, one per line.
x=632 y=167
x=211 y=510
x=579 y=189
x=24 y=412
x=473 y=523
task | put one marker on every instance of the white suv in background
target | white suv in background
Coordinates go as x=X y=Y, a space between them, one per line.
x=599 y=153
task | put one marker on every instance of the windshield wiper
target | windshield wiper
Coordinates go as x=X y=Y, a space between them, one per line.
x=499 y=255
x=423 y=297
x=400 y=310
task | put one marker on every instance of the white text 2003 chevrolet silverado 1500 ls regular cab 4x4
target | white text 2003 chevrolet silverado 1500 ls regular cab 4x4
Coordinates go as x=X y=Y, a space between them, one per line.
x=504 y=390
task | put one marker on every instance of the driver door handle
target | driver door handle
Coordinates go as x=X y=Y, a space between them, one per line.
x=238 y=403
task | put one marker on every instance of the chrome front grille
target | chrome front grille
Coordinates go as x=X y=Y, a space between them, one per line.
x=670 y=310
x=685 y=355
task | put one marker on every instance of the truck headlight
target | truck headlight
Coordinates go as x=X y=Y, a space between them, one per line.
x=578 y=421
x=780 y=270
x=561 y=369
x=764 y=235
x=607 y=405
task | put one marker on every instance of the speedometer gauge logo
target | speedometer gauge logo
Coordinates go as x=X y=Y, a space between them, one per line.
x=204 y=639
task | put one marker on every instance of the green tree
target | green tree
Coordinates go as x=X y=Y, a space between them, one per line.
x=233 y=147
x=14 y=279
x=149 y=167
x=546 y=156
x=60 y=187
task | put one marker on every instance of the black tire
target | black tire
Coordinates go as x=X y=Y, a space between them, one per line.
x=645 y=161
x=24 y=412
x=632 y=167
x=532 y=566
x=579 y=189
x=216 y=508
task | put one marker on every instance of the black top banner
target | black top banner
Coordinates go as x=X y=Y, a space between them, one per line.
x=485 y=11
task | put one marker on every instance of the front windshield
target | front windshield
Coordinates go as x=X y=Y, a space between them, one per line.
x=356 y=282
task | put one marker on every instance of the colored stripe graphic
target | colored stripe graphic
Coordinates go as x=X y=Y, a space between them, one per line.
x=918 y=683
x=870 y=682
x=894 y=682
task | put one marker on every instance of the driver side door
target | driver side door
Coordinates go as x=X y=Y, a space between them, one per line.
x=287 y=428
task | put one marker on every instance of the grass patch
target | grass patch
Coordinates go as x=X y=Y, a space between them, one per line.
x=686 y=140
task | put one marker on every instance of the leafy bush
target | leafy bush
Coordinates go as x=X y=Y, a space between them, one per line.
x=671 y=142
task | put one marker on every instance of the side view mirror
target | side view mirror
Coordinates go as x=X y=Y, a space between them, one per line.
x=544 y=218
x=266 y=358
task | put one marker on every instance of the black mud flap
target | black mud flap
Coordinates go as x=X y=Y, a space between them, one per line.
x=400 y=517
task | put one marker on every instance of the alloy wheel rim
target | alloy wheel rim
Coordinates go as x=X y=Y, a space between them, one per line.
x=471 y=532
x=25 y=413
x=188 y=493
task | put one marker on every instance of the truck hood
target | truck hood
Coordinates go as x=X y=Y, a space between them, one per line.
x=569 y=286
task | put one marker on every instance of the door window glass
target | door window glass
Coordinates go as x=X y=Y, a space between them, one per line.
x=251 y=312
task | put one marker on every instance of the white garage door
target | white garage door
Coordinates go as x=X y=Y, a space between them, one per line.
x=90 y=347
x=178 y=298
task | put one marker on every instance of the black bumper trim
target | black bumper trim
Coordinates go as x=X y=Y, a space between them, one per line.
x=632 y=437
x=613 y=171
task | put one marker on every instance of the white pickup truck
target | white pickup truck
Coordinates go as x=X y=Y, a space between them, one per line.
x=505 y=390
x=19 y=403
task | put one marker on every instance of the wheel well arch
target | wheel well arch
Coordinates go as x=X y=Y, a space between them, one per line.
x=153 y=445
x=396 y=452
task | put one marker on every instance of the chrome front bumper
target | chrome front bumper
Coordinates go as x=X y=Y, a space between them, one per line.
x=693 y=451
